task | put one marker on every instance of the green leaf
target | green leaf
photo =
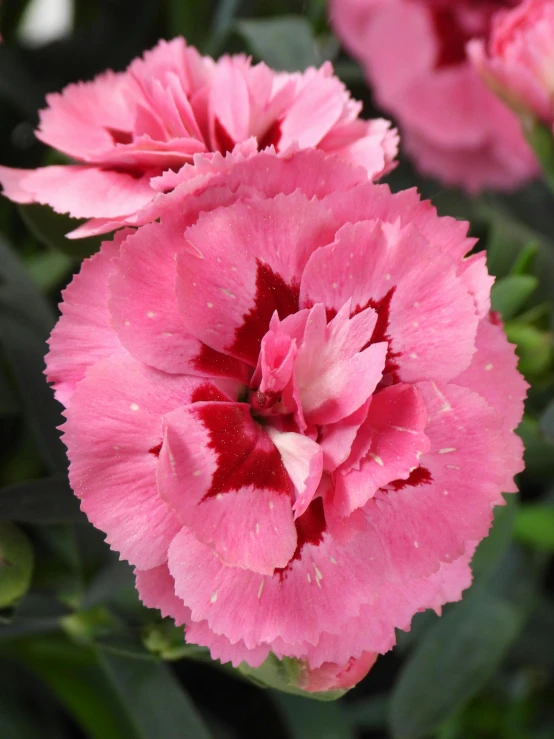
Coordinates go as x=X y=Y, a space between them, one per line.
x=540 y=137
x=19 y=297
x=306 y=719
x=24 y=349
x=461 y=652
x=47 y=501
x=526 y=259
x=221 y=25
x=155 y=701
x=284 y=674
x=509 y=294
x=16 y=563
x=493 y=548
x=50 y=228
x=78 y=681
x=285 y=43
x=533 y=347
x=48 y=269
x=547 y=421
x=189 y=19
x=534 y=525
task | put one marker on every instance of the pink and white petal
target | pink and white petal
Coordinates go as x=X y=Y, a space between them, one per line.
x=229 y=103
x=333 y=676
x=88 y=192
x=328 y=580
x=199 y=632
x=144 y=309
x=276 y=361
x=156 y=589
x=393 y=608
x=13 y=185
x=78 y=120
x=303 y=461
x=379 y=265
x=493 y=374
x=429 y=518
x=473 y=273
x=226 y=481
x=334 y=374
x=227 y=295
x=336 y=439
x=369 y=202
x=318 y=90
x=113 y=435
x=84 y=334
x=388 y=447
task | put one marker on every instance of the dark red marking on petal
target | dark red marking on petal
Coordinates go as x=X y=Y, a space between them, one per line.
x=156 y=450
x=223 y=141
x=272 y=294
x=451 y=36
x=310 y=527
x=120 y=137
x=419 y=476
x=208 y=392
x=245 y=454
x=217 y=364
x=495 y=318
x=271 y=137
x=380 y=332
x=453 y=32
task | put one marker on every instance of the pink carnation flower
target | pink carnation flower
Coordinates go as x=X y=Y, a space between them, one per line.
x=126 y=129
x=414 y=54
x=518 y=61
x=289 y=407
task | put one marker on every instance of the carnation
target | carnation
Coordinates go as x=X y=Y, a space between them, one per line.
x=414 y=53
x=518 y=61
x=124 y=130
x=290 y=408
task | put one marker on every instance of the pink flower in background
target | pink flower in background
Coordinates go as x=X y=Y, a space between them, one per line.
x=414 y=55
x=289 y=408
x=518 y=61
x=126 y=129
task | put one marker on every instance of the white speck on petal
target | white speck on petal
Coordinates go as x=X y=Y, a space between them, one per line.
x=376 y=458
x=150 y=314
x=261 y=588
x=271 y=504
x=413 y=355
x=335 y=285
x=257 y=528
x=196 y=250
x=333 y=560
x=210 y=305
x=415 y=324
x=227 y=292
x=309 y=577
x=401 y=428
x=214 y=597
x=445 y=492
x=134 y=407
x=488 y=367
x=166 y=333
x=197 y=472
x=387 y=276
x=127 y=323
x=219 y=496
x=116 y=448
x=416 y=544
x=447 y=450
x=416 y=304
